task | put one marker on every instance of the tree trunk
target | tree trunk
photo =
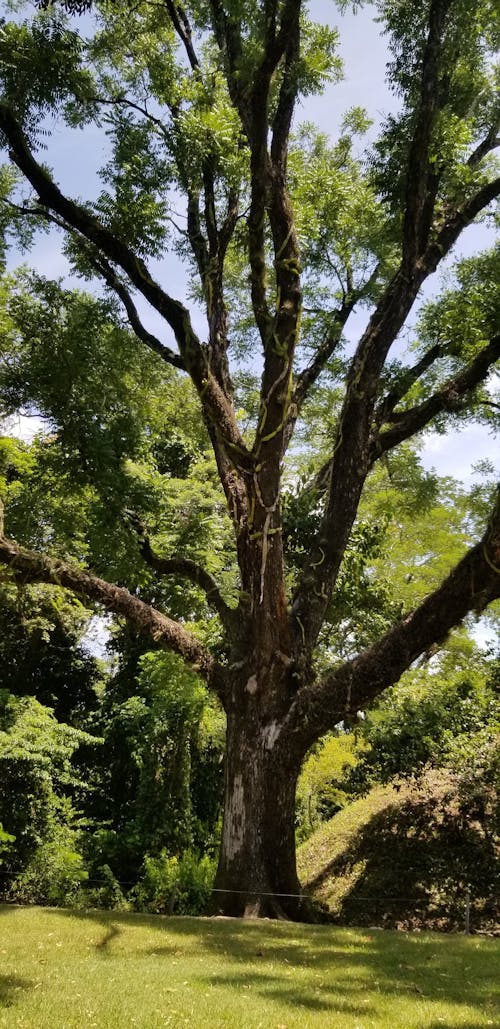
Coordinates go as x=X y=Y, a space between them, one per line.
x=257 y=874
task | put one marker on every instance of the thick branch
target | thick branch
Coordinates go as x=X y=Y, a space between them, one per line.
x=192 y=571
x=349 y=462
x=448 y=398
x=417 y=216
x=187 y=569
x=287 y=42
x=214 y=400
x=163 y=631
x=471 y=586
x=351 y=457
x=227 y=34
x=457 y=221
x=490 y=142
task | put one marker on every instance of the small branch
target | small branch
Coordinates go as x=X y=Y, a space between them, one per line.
x=311 y=373
x=410 y=377
x=181 y=24
x=113 y=281
x=448 y=398
x=164 y=632
x=124 y=101
x=186 y=568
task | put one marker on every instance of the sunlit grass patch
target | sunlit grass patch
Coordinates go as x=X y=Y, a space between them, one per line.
x=65 y=970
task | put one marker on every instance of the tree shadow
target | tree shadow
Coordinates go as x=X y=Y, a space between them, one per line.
x=277 y=988
x=6 y=908
x=111 y=933
x=409 y=867
x=10 y=987
x=272 y=958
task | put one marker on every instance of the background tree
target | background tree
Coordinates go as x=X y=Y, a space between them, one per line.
x=284 y=238
x=43 y=862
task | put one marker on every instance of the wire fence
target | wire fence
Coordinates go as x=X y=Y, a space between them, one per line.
x=463 y=902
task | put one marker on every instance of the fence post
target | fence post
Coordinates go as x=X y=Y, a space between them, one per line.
x=467 y=911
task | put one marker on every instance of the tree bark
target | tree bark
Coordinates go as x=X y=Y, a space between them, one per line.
x=257 y=874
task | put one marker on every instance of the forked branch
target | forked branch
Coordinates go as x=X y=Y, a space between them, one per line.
x=449 y=398
x=186 y=568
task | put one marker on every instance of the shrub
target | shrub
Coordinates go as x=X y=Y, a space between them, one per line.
x=55 y=874
x=175 y=885
x=106 y=892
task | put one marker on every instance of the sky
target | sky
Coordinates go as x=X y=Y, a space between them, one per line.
x=76 y=157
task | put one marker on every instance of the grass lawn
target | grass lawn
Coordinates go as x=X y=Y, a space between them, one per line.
x=71 y=970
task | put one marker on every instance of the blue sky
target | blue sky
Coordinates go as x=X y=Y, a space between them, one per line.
x=76 y=157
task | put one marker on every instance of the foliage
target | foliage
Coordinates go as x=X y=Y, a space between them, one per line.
x=158 y=784
x=6 y=840
x=280 y=538
x=175 y=885
x=38 y=781
x=42 y=653
x=55 y=874
x=437 y=716
x=105 y=891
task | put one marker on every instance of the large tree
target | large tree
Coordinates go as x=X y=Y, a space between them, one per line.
x=286 y=238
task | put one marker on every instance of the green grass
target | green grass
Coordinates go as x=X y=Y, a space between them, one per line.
x=70 y=970
x=334 y=837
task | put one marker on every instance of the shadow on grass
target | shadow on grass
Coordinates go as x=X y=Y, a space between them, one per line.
x=320 y=968
x=111 y=933
x=10 y=987
x=283 y=991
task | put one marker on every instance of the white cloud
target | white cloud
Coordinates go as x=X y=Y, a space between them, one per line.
x=456 y=452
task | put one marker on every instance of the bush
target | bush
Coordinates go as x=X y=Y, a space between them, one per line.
x=106 y=892
x=175 y=885
x=55 y=874
x=431 y=719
